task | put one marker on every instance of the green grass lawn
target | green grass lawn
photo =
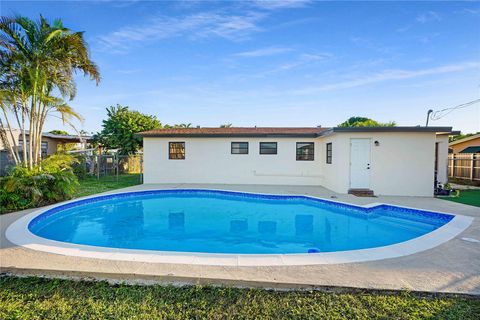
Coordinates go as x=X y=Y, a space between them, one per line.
x=91 y=185
x=471 y=197
x=37 y=298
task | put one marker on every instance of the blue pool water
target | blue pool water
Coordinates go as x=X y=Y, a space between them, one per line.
x=229 y=222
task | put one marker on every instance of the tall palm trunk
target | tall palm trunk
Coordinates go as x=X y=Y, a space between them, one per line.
x=31 y=135
x=39 y=123
x=21 y=125
x=33 y=120
x=4 y=138
x=24 y=135
x=15 y=112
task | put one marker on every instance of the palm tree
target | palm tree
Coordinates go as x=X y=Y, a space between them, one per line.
x=183 y=125
x=41 y=59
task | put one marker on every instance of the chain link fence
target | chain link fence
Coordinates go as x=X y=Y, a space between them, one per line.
x=101 y=166
x=109 y=165
x=6 y=162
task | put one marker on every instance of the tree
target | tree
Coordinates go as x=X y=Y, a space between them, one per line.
x=38 y=61
x=183 y=125
x=365 y=122
x=461 y=136
x=59 y=132
x=121 y=125
x=180 y=125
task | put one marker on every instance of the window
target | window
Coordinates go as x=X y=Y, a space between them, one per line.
x=329 y=153
x=239 y=147
x=43 y=147
x=305 y=151
x=268 y=148
x=176 y=150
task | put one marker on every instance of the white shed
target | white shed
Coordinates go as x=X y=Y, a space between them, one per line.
x=386 y=160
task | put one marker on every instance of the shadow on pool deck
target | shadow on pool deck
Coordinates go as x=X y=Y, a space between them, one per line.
x=451 y=267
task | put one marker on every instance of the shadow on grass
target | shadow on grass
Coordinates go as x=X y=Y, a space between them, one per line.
x=28 y=298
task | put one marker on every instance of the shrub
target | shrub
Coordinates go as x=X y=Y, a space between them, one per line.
x=51 y=181
x=80 y=166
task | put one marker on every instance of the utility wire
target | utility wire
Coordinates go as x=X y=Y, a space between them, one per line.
x=442 y=113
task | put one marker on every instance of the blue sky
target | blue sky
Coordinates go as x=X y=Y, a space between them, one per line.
x=288 y=63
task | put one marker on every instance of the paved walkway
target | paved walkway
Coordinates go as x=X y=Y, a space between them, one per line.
x=451 y=267
x=464 y=187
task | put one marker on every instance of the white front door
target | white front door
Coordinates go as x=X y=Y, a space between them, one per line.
x=360 y=163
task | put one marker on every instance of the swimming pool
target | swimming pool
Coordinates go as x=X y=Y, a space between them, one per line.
x=225 y=224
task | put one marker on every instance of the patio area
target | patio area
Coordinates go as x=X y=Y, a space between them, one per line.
x=451 y=267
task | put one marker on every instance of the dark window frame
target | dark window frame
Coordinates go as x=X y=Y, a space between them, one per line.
x=329 y=152
x=176 y=153
x=238 y=148
x=260 y=148
x=300 y=156
x=43 y=146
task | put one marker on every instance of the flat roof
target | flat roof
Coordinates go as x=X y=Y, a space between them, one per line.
x=65 y=136
x=439 y=130
x=311 y=132
x=236 y=132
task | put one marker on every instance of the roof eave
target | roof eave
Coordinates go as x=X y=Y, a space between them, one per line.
x=475 y=136
x=233 y=135
x=438 y=130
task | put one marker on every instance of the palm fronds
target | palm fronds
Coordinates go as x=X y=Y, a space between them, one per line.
x=37 y=61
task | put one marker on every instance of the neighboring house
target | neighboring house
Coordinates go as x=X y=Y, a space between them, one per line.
x=387 y=160
x=466 y=145
x=50 y=141
x=50 y=144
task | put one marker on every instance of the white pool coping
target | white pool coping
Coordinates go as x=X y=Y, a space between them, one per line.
x=19 y=234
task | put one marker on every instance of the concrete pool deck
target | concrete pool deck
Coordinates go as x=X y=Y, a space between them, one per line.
x=452 y=267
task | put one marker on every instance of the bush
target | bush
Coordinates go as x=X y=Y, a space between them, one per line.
x=52 y=181
x=80 y=167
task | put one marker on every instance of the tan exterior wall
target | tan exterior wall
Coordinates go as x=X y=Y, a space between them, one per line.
x=52 y=144
x=402 y=164
x=462 y=145
x=16 y=134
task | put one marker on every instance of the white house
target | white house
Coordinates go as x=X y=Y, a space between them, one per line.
x=386 y=160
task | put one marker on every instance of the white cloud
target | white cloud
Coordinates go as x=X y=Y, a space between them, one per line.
x=280 y=4
x=127 y=71
x=303 y=59
x=235 y=26
x=422 y=19
x=315 y=57
x=388 y=75
x=269 y=51
x=300 y=60
x=118 y=3
x=371 y=45
x=475 y=12
x=429 y=16
x=200 y=25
